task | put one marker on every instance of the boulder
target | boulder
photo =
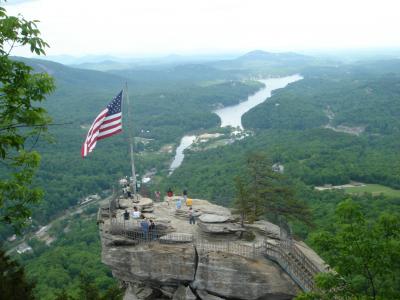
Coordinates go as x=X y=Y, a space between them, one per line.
x=220 y=227
x=161 y=264
x=208 y=208
x=184 y=293
x=136 y=291
x=233 y=276
x=266 y=228
x=210 y=218
x=144 y=293
x=209 y=258
x=141 y=204
x=168 y=291
x=143 y=201
x=203 y=295
x=129 y=294
x=176 y=237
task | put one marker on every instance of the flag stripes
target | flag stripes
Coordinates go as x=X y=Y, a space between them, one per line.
x=106 y=124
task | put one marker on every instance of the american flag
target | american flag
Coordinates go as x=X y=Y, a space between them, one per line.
x=106 y=124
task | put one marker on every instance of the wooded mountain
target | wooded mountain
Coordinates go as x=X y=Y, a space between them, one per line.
x=169 y=101
x=166 y=104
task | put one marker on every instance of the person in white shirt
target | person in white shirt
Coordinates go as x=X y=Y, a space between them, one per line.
x=136 y=213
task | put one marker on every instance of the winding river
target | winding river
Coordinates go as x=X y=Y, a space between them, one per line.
x=232 y=115
x=186 y=141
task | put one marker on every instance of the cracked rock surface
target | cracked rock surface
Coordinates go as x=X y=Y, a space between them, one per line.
x=185 y=271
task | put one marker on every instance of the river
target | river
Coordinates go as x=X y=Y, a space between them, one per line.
x=186 y=141
x=232 y=115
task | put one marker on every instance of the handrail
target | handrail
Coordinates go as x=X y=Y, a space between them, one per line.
x=285 y=252
x=298 y=266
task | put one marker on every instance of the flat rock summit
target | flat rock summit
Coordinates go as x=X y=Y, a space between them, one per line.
x=215 y=258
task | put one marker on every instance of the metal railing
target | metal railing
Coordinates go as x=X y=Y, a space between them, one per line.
x=253 y=251
x=284 y=251
x=298 y=266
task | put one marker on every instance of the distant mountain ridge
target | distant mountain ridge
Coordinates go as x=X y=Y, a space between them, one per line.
x=225 y=61
x=263 y=55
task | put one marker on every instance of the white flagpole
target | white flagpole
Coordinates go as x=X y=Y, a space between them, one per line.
x=133 y=184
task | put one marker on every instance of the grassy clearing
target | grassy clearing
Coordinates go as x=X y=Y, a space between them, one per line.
x=374 y=189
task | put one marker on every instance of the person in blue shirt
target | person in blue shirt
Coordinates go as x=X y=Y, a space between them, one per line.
x=144 y=225
x=179 y=203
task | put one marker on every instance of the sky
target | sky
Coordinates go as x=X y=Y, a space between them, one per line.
x=162 y=27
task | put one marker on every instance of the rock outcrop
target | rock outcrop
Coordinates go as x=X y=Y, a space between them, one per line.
x=204 y=261
x=233 y=276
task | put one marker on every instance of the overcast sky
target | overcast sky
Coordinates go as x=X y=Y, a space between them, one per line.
x=159 y=27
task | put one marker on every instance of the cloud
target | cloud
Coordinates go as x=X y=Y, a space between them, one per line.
x=148 y=27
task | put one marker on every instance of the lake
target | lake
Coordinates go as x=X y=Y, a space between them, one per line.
x=232 y=115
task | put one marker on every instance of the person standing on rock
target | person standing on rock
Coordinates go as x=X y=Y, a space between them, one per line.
x=189 y=202
x=191 y=216
x=158 y=195
x=126 y=215
x=184 y=195
x=152 y=230
x=144 y=225
x=170 y=193
x=136 y=213
x=179 y=203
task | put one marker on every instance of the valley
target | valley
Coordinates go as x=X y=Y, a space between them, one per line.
x=199 y=150
x=188 y=103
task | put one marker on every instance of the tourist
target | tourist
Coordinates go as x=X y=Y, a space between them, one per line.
x=126 y=215
x=136 y=213
x=189 y=202
x=152 y=230
x=191 y=216
x=144 y=225
x=179 y=203
x=170 y=193
x=158 y=195
x=152 y=226
x=184 y=195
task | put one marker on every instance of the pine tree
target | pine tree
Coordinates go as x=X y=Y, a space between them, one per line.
x=241 y=204
x=270 y=193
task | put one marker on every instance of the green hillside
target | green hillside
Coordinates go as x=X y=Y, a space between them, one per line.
x=163 y=110
x=354 y=95
x=171 y=101
x=289 y=127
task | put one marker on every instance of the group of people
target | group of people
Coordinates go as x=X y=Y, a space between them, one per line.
x=147 y=226
x=128 y=186
x=126 y=189
x=188 y=202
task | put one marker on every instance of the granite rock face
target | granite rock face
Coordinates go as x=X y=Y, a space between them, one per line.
x=191 y=262
x=184 y=293
x=219 y=227
x=157 y=264
x=209 y=218
x=233 y=276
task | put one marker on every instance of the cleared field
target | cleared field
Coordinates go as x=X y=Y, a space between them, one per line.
x=374 y=189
